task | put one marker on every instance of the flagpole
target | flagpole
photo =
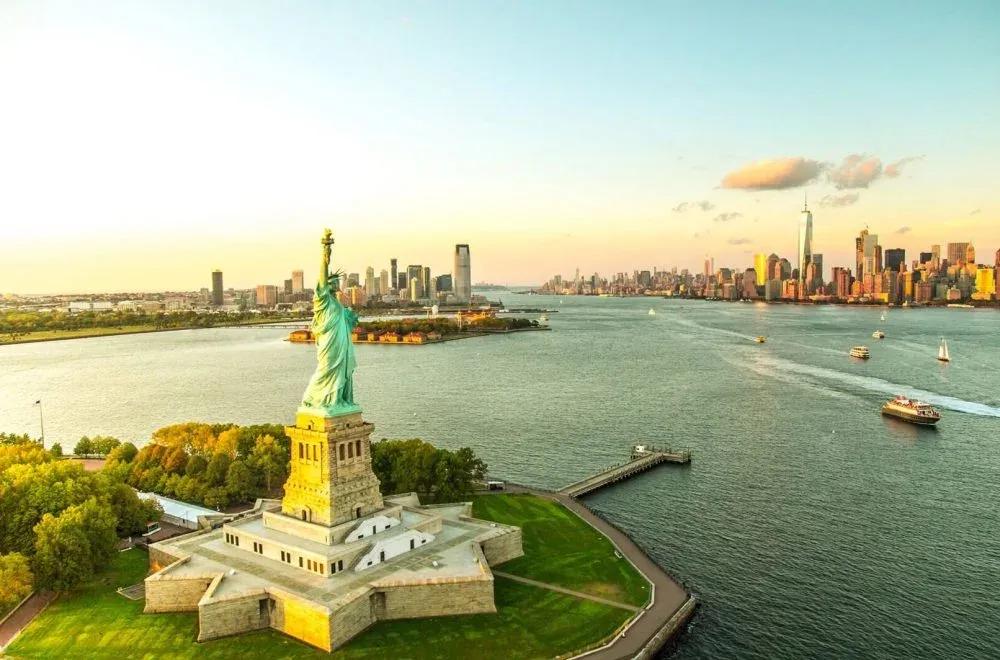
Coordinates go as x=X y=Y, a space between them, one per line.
x=41 y=420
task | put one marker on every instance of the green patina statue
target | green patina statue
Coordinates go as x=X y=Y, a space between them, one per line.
x=331 y=390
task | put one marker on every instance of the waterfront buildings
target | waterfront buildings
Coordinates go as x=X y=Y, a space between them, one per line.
x=462 y=274
x=895 y=258
x=298 y=285
x=267 y=295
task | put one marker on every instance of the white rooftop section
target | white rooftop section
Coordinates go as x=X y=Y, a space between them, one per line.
x=177 y=509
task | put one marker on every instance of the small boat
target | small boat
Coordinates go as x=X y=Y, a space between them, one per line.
x=543 y=318
x=760 y=339
x=861 y=352
x=909 y=410
x=878 y=334
x=651 y=312
x=882 y=318
x=943 y=351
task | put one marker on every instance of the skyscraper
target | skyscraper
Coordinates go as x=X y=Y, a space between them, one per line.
x=872 y=255
x=217 y=288
x=370 y=281
x=956 y=253
x=394 y=272
x=414 y=272
x=298 y=281
x=760 y=268
x=894 y=258
x=462 y=277
x=383 y=278
x=805 y=240
x=859 y=254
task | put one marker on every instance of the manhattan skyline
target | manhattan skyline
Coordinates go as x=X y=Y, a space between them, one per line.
x=547 y=137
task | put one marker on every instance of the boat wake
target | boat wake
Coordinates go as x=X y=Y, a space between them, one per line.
x=880 y=385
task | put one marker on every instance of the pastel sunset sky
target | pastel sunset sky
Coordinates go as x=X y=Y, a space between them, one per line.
x=143 y=144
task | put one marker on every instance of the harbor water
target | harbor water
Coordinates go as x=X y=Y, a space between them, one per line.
x=808 y=525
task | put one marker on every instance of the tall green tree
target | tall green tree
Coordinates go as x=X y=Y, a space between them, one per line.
x=16 y=580
x=240 y=481
x=71 y=546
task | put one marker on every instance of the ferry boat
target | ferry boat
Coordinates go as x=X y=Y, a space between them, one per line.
x=878 y=334
x=909 y=410
x=760 y=339
x=302 y=336
x=861 y=352
x=943 y=351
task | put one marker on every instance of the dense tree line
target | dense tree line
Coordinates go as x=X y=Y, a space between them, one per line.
x=214 y=465
x=59 y=524
x=15 y=323
x=436 y=475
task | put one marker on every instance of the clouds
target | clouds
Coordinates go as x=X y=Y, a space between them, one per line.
x=837 y=201
x=739 y=241
x=905 y=229
x=893 y=170
x=704 y=205
x=855 y=171
x=726 y=217
x=975 y=211
x=775 y=174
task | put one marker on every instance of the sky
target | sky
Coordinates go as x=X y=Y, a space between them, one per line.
x=144 y=144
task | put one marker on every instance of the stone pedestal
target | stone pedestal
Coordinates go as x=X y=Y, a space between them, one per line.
x=331 y=480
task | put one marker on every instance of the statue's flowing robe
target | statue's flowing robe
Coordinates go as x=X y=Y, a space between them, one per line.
x=331 y=385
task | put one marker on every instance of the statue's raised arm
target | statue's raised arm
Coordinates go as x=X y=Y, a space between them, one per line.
x=331 y=390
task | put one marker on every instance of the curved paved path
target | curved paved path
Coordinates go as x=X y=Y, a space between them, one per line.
x=19 y=619
x=669 y=598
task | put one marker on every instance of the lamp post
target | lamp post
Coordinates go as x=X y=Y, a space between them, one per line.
x=41 y=420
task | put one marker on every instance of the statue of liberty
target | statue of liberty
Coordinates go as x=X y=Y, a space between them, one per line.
x=331 y=391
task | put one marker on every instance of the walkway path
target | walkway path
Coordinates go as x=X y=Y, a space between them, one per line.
x=24 y=615
x=568 y=592
x=671 y=605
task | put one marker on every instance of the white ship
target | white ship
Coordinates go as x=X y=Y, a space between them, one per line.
x=861 y=352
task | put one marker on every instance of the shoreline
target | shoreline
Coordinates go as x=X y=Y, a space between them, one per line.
x=93 y=333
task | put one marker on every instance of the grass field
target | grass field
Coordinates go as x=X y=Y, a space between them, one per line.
x=96 y=622
x=54 y=335
x=560 y=548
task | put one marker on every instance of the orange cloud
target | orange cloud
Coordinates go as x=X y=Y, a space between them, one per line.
x=856 y=171
x=774 y=174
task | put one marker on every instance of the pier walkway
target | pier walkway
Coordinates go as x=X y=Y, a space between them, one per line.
x=643 y=458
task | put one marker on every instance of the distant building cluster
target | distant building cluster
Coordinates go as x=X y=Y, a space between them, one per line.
x=878 y=276
x=413 y=284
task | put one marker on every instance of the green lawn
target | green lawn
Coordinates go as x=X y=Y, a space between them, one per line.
x=562 y=549
x=95 y=622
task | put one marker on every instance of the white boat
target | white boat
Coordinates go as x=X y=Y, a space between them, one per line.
x=878 y=334
x=882 y=319
x=861 y=352
x=651 y=312
x=943 y=351
x=543 y=318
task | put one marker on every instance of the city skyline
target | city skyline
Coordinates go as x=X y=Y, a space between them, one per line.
x=211 y=133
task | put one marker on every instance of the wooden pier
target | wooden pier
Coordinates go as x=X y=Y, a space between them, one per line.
x=643 y=458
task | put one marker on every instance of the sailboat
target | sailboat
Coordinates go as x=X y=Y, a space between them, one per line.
x=652 y=312
x=943 y=351
x=883 y=317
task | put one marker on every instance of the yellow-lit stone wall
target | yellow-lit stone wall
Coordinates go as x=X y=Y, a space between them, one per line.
x=351 y=619
x=301 y=619
x=159 y=558
x=233 y=615
x=503 y=548
x=167 y=594
x=439 y=599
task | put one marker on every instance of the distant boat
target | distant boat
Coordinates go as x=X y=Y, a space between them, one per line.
x=651 y=312
x=760 y=339
x=882 y=319
x=861 y=352
x=543 y=318
x=878 y=334
x=943 y=351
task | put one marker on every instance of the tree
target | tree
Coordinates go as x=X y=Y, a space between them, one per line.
x=103 y=444
x=71 y=546
x=15 y=580
x=176 y=460
x=83 y=447
x=55 y=450
x=271 y=461
x=437 y=475
x=217 y=498
x=132 y=513
x=240 y=482
x=215 y=473
x=196 y=466
x=123 y=453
